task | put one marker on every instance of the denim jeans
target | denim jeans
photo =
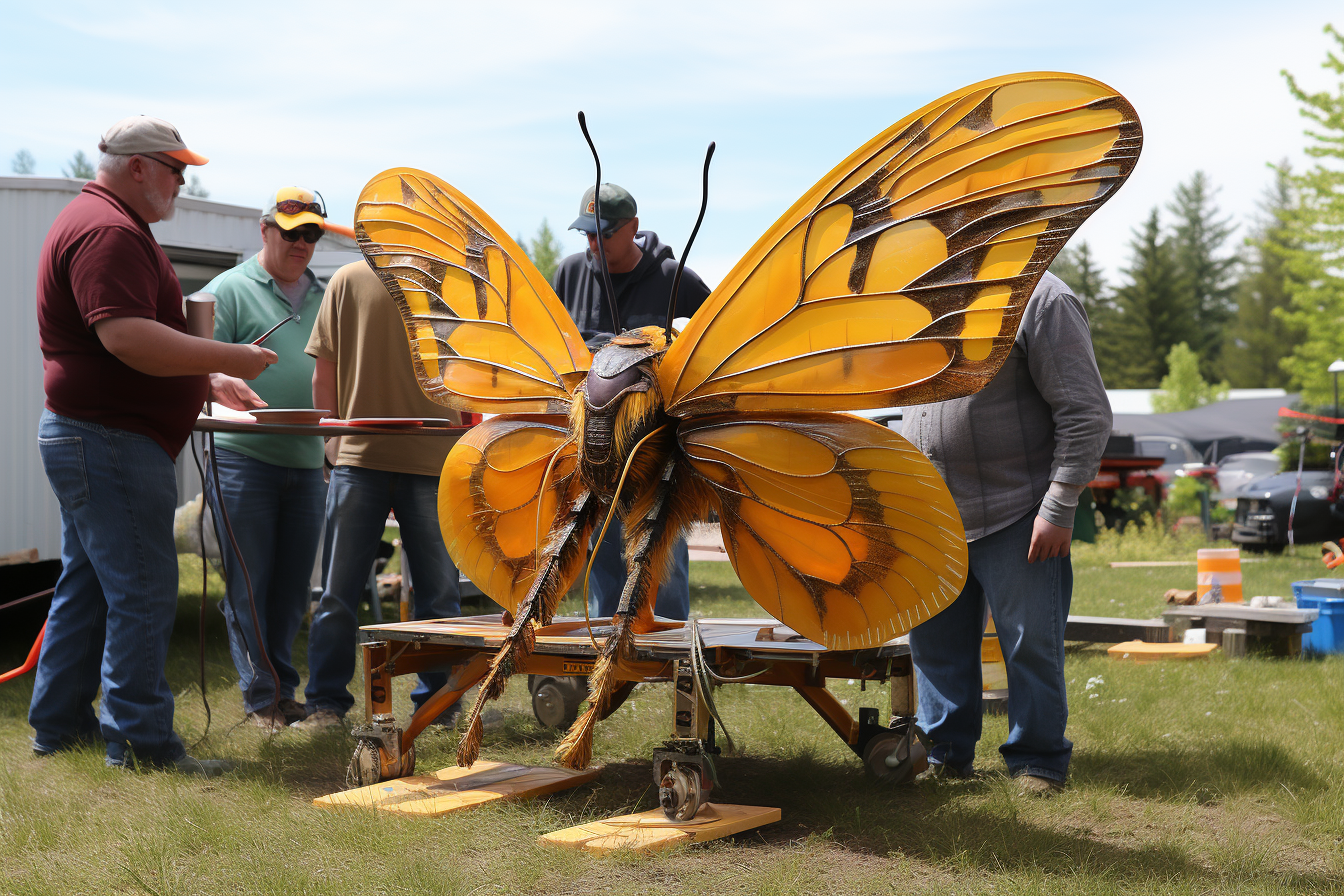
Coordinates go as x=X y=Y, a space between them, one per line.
x=115 y=602
x=1030 y=604
x=357 y=504
x=276 y=515
x=609 y=574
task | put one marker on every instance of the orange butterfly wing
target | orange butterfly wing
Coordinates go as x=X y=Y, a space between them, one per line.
x=487 y=332
x=901 y=276
x=497 y=499
x=838 y=527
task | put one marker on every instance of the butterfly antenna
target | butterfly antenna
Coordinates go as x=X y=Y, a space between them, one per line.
x=597 y=214
x=676 y=281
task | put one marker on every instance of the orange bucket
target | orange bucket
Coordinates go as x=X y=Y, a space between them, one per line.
x=1220 y=569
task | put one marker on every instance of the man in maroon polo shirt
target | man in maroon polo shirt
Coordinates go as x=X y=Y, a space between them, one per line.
x=124 y=384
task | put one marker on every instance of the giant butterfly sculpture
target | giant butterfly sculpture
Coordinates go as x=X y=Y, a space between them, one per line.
x=898 y=279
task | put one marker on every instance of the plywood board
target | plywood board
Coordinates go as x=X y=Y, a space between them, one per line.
x=452 y=789
x=651 y=831
x=1145 y=652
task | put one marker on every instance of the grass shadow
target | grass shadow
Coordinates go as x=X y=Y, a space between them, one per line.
x=1206 y=772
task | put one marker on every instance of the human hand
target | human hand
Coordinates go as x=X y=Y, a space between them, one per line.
x=248 y=361
x=233 y=393
x=1048 y=540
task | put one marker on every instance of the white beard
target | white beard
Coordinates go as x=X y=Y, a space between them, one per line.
x=165 y=201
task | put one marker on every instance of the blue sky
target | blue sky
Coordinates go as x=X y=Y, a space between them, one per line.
x=484 y=95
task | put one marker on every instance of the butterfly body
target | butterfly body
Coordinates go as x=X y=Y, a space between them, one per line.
x=898 y=279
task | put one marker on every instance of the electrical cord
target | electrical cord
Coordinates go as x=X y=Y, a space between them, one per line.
x=205 y=580
x=247 y=582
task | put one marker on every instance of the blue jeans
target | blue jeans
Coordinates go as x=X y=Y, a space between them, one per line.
x=1030 y=604
x=609 y=574
x=276 y=515
x=115 y=602
x=357 y=504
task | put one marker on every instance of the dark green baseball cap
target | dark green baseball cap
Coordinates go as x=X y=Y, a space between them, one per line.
x=617 y=205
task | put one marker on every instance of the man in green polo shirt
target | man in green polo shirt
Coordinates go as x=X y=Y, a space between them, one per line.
x=272 y=485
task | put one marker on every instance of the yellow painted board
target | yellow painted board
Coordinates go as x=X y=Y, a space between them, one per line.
x=452 y=789
x=651 y=831
x=1144 y=652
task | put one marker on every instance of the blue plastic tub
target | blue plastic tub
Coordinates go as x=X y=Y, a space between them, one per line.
x=1327 y=632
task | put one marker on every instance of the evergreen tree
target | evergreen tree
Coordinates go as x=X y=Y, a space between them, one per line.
x=1183 y=389
x=1151 y=314
x=1079 y=270
x=1316 y=221
x=23 y=162
x=545 y=251
x=1261 y=334
x=196 y=188
x=1205 y=274
x=79 y=166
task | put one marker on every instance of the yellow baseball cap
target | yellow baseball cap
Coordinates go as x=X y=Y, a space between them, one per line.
x=294 y=206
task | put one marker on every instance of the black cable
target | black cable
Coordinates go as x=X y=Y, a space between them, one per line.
x=247 y=582
x=597 y=215
x=676 y=280
x=205 y=580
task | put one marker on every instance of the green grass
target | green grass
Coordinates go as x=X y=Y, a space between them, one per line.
x=1216 y=776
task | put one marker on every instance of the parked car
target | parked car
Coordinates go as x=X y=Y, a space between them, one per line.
x=1261 y=522
x=1236 y=471
x=1175 y=452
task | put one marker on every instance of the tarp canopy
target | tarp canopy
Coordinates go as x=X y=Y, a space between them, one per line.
x=1243 y=424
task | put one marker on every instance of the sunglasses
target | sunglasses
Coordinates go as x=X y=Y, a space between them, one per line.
x=297 y=206
x=309 y=233
x=610 y=230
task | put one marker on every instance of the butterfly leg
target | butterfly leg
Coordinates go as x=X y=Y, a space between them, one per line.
x=566 y=547
x=651 y=531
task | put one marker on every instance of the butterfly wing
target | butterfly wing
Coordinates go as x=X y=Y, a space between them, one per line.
x=837 y=526
x=901 y=276
x=487 y=332
x=502 y=486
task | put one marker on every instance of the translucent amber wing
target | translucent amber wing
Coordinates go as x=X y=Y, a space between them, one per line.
x=838 y=527
x=901 y=276
x=487 y=332
x=489 y=493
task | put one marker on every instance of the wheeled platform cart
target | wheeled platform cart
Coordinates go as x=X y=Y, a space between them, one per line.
x=693 y=657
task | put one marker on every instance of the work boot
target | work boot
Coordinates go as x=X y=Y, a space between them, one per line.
x=321 y=720
x=268 y=719
x=1031 y=785
x=293 y=710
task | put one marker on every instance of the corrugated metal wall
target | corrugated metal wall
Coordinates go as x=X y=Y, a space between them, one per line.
x=29 y=517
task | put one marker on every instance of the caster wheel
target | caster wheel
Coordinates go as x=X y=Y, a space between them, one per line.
x=556 y=701
x=680 y=794
x=895 y=757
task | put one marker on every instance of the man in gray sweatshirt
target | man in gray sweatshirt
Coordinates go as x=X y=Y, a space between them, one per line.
x=1016 y=456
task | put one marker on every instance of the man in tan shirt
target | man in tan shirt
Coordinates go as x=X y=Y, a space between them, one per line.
x=364 y=370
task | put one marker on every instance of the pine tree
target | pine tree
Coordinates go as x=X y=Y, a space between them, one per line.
x=1080 y=272
x=1261 y=334
x=23 y=162
x=1317 y=222
x=1151 y=314
x=79 y=166
x=1205 y=272
x=1183 y=388
x=196 y=188
x=543 y=250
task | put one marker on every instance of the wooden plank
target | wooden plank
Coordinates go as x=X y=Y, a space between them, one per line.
x=1143 y=652
x=651 y=831
x=1111 y=629
x=1291 y=615
x=452 y=789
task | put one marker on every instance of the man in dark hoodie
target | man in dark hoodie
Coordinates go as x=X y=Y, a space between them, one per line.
x=642 y=269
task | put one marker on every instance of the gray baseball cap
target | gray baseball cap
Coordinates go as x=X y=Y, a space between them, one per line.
x=142 y=135
x=617 y=205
